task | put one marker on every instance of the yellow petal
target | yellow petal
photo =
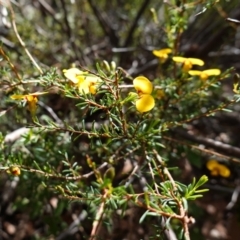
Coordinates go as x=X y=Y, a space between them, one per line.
x=145 y=103
x=211 y=164
x=17 y=97
x=162 y=52
x=206 y=73
x=142 y=85
x=214 y=172
x=32 y=103
x=201 y=74
x=212 y=72
x=92 y=83
x=196 y=61
x=84 y=87
x=31 y=98
x=179 y=59
x=204 y=76
x=93 y=89
x=14 y=170
x=224 y=171
x=73 y=74
x=93 y=79
x=166 y=50
x=187 y=65
x=194 y=72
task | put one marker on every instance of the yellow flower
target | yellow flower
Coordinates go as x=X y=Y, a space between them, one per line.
x=188 y=62
x=31 y=100
x=92 y=83
x=205 y=74
x=162 y=54
x=74 y=74
x=86 y=83
x=145 y=102
x=217 y=169
x=14 y=170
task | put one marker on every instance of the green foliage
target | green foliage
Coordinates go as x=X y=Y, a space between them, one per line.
x=78 y=142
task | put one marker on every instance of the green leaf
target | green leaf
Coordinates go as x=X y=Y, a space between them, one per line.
x=142 y=218
x=201 y=181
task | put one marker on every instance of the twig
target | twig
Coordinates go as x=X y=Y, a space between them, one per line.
x=105 y=25
x=10 y=63
x=130 y=178
x=99 y=216
x=207 y=151
x=165 y=170
x=48 y=8
x=69 y=31
x=159 y=212
x=153 y=178
x=206 y=114
x=135 y=23
x=51 y=112
x=13 y=136
x=234 y=198
x=185 y=220
x=53 y=176
x=168 y=231
x=132 y=30
x=73 y=228
x=217 y=145
x=20 y=39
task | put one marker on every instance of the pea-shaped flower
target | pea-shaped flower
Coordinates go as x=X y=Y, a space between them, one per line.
x=144 y=102
x=187 y=63
x=162 y=54
x=218 y=169
x=74 y=74
x=86 y=83
x=205 y=74
x=14 y=170
x=31 y=100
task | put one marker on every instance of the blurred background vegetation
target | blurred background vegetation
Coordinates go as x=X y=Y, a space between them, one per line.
x=60 y=34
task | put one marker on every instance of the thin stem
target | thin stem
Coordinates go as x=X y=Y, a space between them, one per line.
x=165 y=170
x=10 y=63
x=20 y=39
x=99 y=216
x=49 y=175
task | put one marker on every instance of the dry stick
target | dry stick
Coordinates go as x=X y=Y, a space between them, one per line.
x=69 y=32
x=168 y=232
x=133 y=27
x=12 y=15
x=98 y=219
x=49 y=175
x=120 y=108
x=10 y=63
x=104 y=24
x=207 y=151
x=165 y=169
x=206 y=114
x=152 y=209
x=153 y=178
x=59 y=128
x=48 y=9
x=217 y=145
x=74 y=226
x=185 y=220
